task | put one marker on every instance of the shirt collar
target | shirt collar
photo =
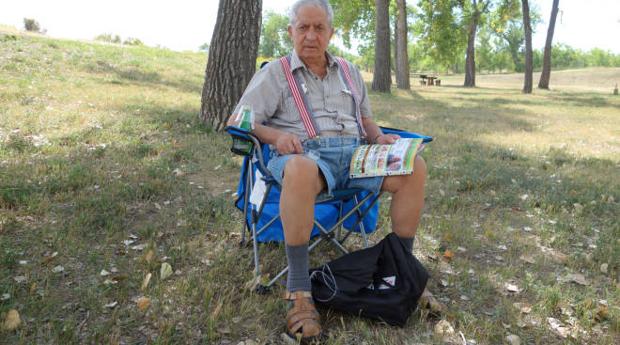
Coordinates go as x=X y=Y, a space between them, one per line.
x=297 y=63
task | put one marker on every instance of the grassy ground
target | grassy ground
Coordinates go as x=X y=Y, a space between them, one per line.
x=106 y=173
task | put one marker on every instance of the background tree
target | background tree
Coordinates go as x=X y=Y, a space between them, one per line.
x=232 y=58
x=474 y=11
x=33 y=26
x=529 y=67
x=274 y=40
x=402 y=57
x=440 y=34
x=382 y=77
x=543 y=83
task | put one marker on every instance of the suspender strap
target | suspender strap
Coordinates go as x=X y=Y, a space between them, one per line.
x=299 y=98
x=346 y=72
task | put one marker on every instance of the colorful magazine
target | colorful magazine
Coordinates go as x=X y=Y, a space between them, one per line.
x=385 y=160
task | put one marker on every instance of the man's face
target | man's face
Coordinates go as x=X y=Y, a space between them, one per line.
x=310 y=33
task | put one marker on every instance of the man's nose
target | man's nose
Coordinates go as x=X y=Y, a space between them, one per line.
x=311 y=34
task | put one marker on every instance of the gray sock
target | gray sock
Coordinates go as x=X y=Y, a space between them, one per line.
x=298 y=277
x=407 y=242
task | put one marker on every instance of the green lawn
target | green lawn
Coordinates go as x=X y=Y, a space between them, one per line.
x=106 y=173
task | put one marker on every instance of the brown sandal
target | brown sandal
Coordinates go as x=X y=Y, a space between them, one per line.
x=302 y=320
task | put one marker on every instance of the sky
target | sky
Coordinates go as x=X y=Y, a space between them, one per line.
x=187 y=24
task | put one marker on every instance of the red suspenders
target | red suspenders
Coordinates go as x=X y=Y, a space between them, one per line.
x=302 y=107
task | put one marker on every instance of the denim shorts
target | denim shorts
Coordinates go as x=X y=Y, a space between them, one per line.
x=333 y=156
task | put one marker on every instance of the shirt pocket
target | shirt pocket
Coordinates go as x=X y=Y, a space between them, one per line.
x=341 y=101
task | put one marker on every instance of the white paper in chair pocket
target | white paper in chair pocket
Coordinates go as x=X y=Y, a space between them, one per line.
x=258 y=191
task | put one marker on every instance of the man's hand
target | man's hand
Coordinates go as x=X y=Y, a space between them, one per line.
x=386 y=139
x=288 y=143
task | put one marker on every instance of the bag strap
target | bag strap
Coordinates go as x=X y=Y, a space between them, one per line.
x=299 y=99
x=346 y=73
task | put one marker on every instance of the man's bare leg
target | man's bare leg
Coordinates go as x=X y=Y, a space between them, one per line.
x=302 y=183
x=405 y=211
x=407 y=199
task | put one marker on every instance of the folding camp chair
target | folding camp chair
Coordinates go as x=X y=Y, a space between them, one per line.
x=258 y=192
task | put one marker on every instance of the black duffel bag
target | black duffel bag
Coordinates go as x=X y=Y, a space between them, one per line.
x=383 y=282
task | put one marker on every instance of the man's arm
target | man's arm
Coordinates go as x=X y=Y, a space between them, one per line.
x=285 y=143
x=374 y=134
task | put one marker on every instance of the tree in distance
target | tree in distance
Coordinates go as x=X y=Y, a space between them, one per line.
x=32 y=25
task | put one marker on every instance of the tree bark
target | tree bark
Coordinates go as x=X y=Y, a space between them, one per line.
x=382 y=78
x=545 y=76
x=470 y=62
x=527 y=29
x=232 y=59
x=402 y=56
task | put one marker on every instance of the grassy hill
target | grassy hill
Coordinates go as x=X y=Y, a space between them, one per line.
x=106 y=173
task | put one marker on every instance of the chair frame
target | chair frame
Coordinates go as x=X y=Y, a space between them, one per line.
x=333 y=234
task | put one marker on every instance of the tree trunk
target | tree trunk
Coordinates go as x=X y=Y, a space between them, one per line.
x=470 y=62
x=527 y=29
x=546 y=70
x=232 y=59
x=402 y=56
x=382 y=79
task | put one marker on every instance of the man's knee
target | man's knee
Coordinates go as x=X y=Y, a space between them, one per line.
x=302 y=173
x=419 y=168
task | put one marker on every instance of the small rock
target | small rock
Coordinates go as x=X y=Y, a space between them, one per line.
x=104 y=273
x=5 y=297
x=58 y=269
x=20 y=279
x=604 y=268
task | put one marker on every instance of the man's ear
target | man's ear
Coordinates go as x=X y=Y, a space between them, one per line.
x=289 y=29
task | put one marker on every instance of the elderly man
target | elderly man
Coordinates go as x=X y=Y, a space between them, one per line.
x=294 y=100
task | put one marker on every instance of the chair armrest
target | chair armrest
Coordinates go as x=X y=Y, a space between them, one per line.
x=257 y=148
x=406 y=134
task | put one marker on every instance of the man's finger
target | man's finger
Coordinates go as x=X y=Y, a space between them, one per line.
x=297 y=146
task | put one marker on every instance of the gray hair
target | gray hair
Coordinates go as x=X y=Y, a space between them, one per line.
x=324 y=4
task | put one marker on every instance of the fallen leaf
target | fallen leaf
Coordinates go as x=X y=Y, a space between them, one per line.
x=139 y=247
x=111 y=305
x=132 y=236
x=20 y=279
x=523 y=307
x=602 y=313
x=165 y=271
x=12 y=320
x=149 y=256
x=513 y=339
x=224 y=330
x=604 y=268
x=145 y=282
x=109 y=282
x=104 y=273
x=512 y=287
x=237 y=319
x=557 y=327
x=578 y=278
x=128 y=242
x=448 y=254
x=143 y=303
x=58 y=269
x=527 y=258
x=444 y=330
x=5 y=297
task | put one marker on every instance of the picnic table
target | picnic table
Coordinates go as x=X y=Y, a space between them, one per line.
x=429 y=80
